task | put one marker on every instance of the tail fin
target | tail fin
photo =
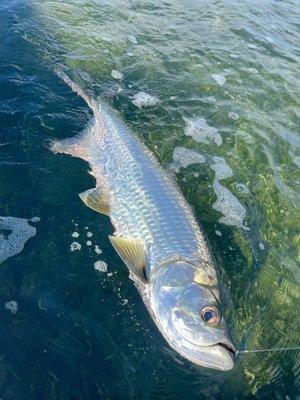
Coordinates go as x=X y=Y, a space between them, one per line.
x=64 y=77
x=78 y=145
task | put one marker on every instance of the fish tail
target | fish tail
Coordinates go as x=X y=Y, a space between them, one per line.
x=72 y=85
x=76 y=146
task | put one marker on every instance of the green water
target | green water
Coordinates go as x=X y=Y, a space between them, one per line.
x=80 y=333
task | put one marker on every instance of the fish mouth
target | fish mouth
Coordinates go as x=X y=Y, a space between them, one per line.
x=228 y=346
x=219 y=356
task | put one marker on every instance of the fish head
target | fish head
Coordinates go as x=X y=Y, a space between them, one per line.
x=189 y=316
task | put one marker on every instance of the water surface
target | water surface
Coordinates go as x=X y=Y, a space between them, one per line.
x=217 y=80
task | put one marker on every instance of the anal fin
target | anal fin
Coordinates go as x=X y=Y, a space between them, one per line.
x=96 y=199
x=132 y=252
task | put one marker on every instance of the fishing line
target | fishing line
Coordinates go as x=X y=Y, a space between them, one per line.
x=267 y=350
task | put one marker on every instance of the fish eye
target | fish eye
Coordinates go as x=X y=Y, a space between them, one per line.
x=210 y=315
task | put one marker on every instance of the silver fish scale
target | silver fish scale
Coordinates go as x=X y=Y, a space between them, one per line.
x=144 y=200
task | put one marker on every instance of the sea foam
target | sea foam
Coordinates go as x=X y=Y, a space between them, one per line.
x=19 y=232
x=201 y=132
x=185 y=157
x=233 y=211
x=143 y=99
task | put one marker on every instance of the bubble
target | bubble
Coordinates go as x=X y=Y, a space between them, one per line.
x=132 y=39
x=233 y=211
x=222 y=170
x=75 y=246
x=143 y=99
x=261 y=246
x=100 y=266
x=173 y=97
x=97 y=249
x=89 y=234
x=75 y=234
x=35 y=219
x=220 y=79
x=218 y=233
x=253 y=70
x=117 y=74
x=201 y=132
x=210 y=99
x=88 y=243
x=12 y=306
x=251 y=46
x=186 y=157
x=269 y=39
x=241 y=188
x=233 y=115
x=20 y=232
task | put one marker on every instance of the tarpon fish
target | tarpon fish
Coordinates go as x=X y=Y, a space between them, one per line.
x=156 y=235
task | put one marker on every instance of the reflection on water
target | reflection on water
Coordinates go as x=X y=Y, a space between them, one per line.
x=211 y=87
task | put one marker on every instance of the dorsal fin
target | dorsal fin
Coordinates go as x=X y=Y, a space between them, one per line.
x=132 y=251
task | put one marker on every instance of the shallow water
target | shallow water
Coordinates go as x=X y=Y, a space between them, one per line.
x=217 y=78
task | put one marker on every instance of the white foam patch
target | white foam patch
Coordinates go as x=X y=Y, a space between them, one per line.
x=89 y=234
x=100 y=266
x=35 y=219
x=201 y=132
x=117 y=74
x=75 y=246
x=241 y=188
x=143 y=99
x=233 y=115
x=186 y=157
x=88 y=243
x=253 y=70
x=222 y=170
x=269 y=39
x=209 y=99
x=20 y=232
x=233 y=211
x=12 y=306
x=220 y=79
x=261 y=246
x=97 y=249
x=132 y=39
x=75 y=234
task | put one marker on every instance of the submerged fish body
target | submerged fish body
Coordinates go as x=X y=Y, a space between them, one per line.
x=156 y=235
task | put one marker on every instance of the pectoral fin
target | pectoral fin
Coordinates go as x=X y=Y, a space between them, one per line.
x=96 y=199
x=132 y=252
